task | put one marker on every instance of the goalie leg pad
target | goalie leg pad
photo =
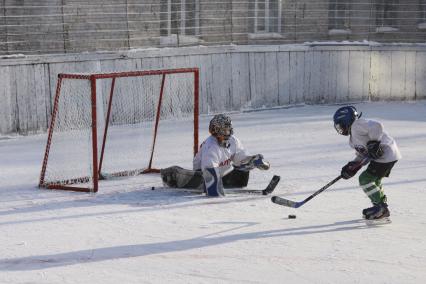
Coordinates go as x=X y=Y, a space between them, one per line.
x=178 y=177
x=213 y=182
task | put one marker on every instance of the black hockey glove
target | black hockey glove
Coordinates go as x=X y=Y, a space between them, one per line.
x=350 y=169
x=375 y=151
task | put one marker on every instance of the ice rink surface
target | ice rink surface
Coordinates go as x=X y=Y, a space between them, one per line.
x=127 y=233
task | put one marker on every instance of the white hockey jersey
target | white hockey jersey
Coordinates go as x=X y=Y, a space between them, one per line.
x=364 y=130
x=212 y=155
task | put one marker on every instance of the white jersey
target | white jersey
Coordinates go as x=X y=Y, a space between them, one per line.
x=212 y=155
x=364 y=130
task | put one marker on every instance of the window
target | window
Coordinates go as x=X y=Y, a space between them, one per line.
x=339 y=15
x=386 y=15
x=265 y=16
x=179 y=18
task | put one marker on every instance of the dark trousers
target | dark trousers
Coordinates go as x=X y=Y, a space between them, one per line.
x=380 y=170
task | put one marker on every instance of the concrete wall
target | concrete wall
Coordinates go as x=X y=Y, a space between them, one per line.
x=232 y=77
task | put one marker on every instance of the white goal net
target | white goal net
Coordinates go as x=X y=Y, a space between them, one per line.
x=119 y=124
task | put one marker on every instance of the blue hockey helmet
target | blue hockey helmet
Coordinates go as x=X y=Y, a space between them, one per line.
x=343 y=119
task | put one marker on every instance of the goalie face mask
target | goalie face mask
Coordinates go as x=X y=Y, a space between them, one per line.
x=221 y=128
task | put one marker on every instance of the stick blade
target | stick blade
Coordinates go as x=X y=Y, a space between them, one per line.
x=271 y=186
x=285 y=202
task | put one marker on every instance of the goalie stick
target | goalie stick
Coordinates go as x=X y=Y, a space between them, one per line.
x=271 y=186
x=268 y=189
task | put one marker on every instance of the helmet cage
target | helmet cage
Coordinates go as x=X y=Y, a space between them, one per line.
x=221 y=126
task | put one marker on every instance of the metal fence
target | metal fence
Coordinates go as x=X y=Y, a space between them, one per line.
x=68 y=26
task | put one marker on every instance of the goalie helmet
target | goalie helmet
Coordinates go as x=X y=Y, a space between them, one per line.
x=221 y=125
x=343 y=119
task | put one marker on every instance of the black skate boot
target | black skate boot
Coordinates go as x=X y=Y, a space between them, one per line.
x=378 y=211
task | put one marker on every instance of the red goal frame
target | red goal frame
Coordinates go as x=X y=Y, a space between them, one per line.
x=97 y=161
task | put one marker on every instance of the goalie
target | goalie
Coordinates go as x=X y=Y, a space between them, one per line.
x=221 y=162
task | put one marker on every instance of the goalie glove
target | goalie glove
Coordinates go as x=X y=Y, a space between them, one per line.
x=256 y=161
x=260 y=163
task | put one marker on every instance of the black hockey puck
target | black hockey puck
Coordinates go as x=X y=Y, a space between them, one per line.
x=291 y=216
x=153 y=188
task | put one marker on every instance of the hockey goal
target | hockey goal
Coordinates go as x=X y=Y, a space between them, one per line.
x=119 y=124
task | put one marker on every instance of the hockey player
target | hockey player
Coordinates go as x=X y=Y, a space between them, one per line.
x=373 y=146
x=221 y=162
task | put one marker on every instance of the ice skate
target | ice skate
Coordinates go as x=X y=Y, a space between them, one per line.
x=377 y=214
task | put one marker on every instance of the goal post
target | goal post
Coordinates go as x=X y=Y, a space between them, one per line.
x=108 y=125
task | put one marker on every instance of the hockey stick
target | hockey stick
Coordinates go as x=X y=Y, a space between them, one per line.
x=285 y=202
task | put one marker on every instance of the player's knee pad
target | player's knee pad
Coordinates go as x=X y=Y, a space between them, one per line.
x=365 y=178
x=371 y=186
